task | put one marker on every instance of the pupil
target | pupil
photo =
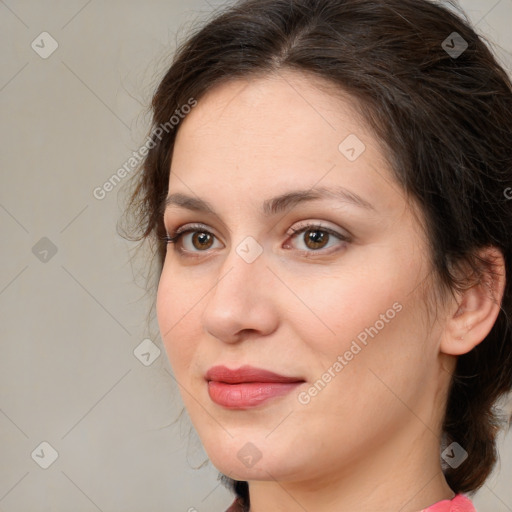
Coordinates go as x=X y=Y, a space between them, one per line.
x=202 y=238
x=317 y=238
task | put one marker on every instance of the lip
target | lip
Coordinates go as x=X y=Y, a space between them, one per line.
x=246 y=374
x=247 y=386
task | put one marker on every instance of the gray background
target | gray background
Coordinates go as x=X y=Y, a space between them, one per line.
x=71 y=321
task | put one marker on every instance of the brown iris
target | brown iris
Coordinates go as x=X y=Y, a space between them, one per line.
x=205 y=240
x=316 y=237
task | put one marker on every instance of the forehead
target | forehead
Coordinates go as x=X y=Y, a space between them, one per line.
x=269 y=133
x=284 y=105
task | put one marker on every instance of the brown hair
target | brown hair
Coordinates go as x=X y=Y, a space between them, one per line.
x=445 y=119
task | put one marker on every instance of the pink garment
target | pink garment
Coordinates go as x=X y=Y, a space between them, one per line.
x=459 y=503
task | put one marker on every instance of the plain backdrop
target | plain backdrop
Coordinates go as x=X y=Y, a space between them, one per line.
x=87 y=417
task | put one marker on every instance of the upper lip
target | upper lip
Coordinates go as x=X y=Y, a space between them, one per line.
x=246 y=374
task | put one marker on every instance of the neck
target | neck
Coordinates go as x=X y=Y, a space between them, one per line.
x=402 y=475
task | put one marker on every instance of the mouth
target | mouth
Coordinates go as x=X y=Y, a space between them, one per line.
x=247 y=387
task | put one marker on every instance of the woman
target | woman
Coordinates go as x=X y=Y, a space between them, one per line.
x=333 y=226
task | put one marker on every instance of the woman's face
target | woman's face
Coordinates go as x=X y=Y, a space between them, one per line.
x=339 y=309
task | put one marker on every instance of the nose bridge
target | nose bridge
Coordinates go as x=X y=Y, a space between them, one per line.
x=238 y=300
x=243 y=268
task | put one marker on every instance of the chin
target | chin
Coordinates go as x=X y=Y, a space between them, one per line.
x=241 y=458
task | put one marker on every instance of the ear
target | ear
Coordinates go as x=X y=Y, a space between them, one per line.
x=475 y=311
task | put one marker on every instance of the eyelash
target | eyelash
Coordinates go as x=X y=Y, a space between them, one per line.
x=176 y=236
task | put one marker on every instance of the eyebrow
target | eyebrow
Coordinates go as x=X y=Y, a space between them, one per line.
x=277 y=204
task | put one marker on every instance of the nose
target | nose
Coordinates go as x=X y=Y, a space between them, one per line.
x=242 y=301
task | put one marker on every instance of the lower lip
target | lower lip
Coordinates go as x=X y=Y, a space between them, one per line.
x=247 y=394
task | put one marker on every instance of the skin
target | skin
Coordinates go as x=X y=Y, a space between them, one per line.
x=369 y=440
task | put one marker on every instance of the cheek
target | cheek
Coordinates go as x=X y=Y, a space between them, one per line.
x=368 y=316
x=176 y=298
x=343 y=304
x=383 y=349
x=177 y=318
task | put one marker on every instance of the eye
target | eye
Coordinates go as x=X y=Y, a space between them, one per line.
x=196 y=238
x=192 y=238
x=316 y=237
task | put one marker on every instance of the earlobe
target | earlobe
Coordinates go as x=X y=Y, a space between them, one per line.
x=477 y=308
